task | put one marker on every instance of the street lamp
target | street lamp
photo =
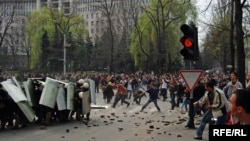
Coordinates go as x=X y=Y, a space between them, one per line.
x=64 y=46
x=64 y=54
x=57 y=25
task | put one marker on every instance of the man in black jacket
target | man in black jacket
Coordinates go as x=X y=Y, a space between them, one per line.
x=198 y=92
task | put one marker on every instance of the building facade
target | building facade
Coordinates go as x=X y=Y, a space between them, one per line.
x=97 y=12
x=98 y=15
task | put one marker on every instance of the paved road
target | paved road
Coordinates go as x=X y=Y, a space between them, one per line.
x=118 y=124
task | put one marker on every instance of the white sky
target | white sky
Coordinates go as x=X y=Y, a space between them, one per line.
x=204 y=15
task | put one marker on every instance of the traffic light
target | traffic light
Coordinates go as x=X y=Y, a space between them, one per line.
x=189 y=41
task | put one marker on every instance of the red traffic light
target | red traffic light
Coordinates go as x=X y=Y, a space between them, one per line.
x=187 y=42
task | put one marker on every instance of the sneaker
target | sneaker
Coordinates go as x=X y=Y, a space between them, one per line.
x=15 y=128
x=191 y=127
x=87 y=119
x=159 y=110
x=128 y=104
x=198 y=138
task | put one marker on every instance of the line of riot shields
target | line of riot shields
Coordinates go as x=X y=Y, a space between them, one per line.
x=43 y=101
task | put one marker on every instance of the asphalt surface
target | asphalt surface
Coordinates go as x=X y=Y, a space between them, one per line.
x=114 y=124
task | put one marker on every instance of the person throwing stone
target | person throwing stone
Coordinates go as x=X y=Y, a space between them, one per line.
x=153 y=95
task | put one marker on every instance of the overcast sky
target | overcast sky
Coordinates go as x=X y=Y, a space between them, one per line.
x=204 y=15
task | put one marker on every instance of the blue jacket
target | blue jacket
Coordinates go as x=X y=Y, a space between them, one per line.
x=153 y=93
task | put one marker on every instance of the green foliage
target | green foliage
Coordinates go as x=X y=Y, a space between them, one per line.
x=38 y=21
x=156 y=37
x=36 y=50
x=51 y=20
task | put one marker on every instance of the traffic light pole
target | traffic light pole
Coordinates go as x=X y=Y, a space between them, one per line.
x=190 y=53
x=190 y=123
x=190 y=65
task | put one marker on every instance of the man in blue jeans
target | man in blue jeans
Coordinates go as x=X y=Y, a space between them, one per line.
x=153 y=96
x=217 y=107
x=206 y=118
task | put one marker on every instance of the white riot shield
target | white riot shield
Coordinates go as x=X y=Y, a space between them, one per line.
x=27 y=110
x=28 y=87
x=49 y=93
x=92 y=91
x=19 y=97
x=70 y=96
x=85 y=102
x=16 y=82
x=61 y=98
x=15 y=93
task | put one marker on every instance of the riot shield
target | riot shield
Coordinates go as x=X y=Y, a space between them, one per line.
x=28 y=88
x=16 y=82
x=70 y=96
x=92 y=91
x=61 y=98
x=19 y=97
x=49 y=93
x=85 y=102
x=15 y=92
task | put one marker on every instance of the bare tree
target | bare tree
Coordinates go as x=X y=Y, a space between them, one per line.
x=24 y=45
x=6 y=21
x=162 y=16
x=239 y=5
x=12 y=41
x=237 y=8
x=127 y=16
x=135 y=12
x=64 y=22
x=107 y=8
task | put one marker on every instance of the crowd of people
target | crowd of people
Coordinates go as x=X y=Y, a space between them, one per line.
x=219 y=98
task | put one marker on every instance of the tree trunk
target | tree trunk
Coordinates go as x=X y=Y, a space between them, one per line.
x=232 y=49
x=240 y=42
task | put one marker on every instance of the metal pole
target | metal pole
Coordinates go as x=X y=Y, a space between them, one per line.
x=190 y=123
x=64 y=54
x=190 y=65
